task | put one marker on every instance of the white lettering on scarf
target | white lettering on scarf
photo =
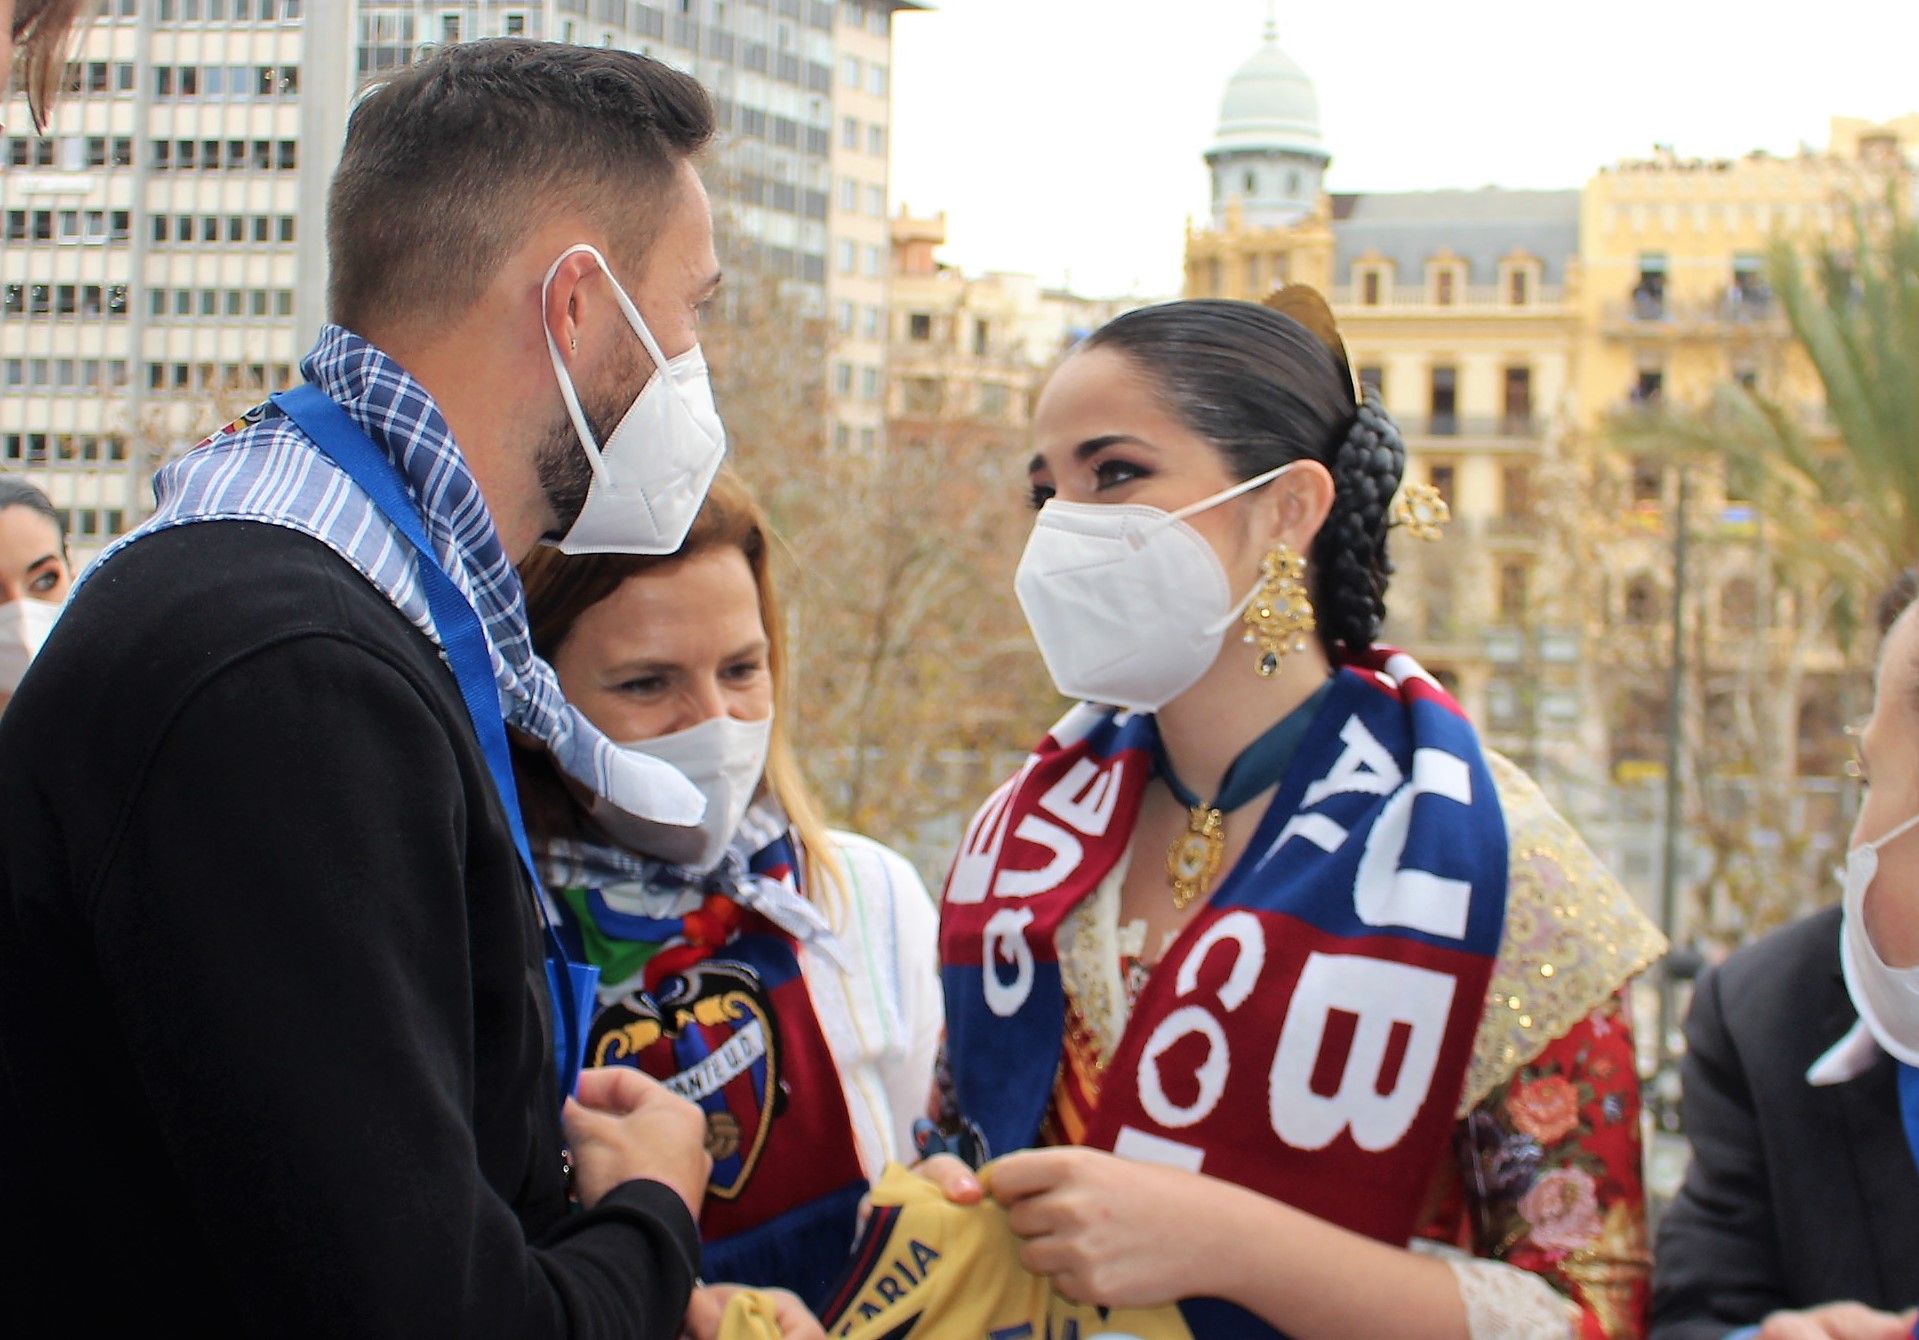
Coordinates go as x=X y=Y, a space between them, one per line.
x=1381 y=997
x=1006 y=933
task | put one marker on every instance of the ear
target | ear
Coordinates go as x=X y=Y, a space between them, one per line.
x=569 y=298
x=1295 y=506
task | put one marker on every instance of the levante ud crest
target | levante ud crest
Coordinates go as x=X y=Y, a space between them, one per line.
x=707 y=1034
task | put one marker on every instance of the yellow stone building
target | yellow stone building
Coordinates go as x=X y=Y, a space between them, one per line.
x=1514 y=334
x=967 y=353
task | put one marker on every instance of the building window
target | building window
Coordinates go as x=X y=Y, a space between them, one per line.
x=1649 y=294
x=1739 y=604
x=993 y=399
x=1444 y=402
x=869 y=383
x=1518 y=419
x=982 y=338
x=923 y=395
x=875 y=262
x=1373 y=375
x=850 y=72
x=876 y=141
x=1519 y=286
x=919 y=327
x=876 y=80
x=1648 y=481
x=1512 y=593
x=843 y=379
x=1647 y=389
x=849 y=194
x=876 y=201
x=1642 y=601
x=1443 y=282
x=850 y=133
x=843 y=318
x=846 y=253
x=1369 y=288
x=873 y=322
x=1443 y=478
x=1516 y=482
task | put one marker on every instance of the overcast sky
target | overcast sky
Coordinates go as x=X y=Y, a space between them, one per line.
x=1063 y=137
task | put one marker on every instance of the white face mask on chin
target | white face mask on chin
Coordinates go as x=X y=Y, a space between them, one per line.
x=725 y=758
x=1886 y=997
x=24 y=625
x=1128 y=603
x=652 y=472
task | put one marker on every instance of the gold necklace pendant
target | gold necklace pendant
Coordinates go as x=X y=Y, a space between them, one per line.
x=1195 y=856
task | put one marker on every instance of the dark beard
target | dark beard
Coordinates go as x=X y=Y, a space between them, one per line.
x=562 y=466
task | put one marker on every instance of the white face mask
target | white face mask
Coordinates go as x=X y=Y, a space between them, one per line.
x=722 y=756
x=652 y=472
x=1887 y=998
x=1128 y=603
x=24 y=625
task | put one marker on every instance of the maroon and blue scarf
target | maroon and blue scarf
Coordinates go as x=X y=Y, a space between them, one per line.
x=1307 y=1036
x=733 y=1028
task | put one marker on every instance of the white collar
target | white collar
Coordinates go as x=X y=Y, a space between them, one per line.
x=1847 y=1059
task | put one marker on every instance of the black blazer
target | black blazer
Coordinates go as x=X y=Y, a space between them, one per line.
x=1796 y=1195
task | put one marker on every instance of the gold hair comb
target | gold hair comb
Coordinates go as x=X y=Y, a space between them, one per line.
x=1422 y=510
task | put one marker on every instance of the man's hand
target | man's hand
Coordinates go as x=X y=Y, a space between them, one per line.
x=708 y=1309
x=1838 y=1321
x=624 y=1126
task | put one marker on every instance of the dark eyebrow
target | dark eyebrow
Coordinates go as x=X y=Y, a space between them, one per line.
x=42 y=561
x=1091 y=447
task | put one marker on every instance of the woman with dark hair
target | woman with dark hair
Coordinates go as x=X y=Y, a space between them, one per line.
x=34 y=36
x=776 y=972
x=1270 y=967
x=35 y=576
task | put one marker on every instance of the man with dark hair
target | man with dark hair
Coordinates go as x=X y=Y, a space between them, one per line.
x=283 y=1034
x=1799 y=1217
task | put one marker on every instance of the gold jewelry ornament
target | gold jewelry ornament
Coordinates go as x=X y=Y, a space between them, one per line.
x=1196 y=855
x=1422 y=510
x=1280 y=617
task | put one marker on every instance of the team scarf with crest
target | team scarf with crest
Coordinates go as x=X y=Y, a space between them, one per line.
x=1308 y=1032
x=702 y=990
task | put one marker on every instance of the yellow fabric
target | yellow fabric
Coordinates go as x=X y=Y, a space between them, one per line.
x=953 y=1272
x=749 y=1316
x=1573 y=936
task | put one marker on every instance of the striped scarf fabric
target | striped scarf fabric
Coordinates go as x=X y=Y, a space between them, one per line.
x=264 y=469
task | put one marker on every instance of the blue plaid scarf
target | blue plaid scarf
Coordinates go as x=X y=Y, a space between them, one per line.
x=264 y=469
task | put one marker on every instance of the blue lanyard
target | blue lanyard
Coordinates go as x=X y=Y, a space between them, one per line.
x=572 y=985
x=1909 y=1110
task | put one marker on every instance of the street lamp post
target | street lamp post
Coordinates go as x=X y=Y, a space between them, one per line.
x=1675 y=725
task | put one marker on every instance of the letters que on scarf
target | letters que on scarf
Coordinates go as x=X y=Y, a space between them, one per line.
x=1307 y=1035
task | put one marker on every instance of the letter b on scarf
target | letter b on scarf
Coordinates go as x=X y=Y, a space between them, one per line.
x=1383 y=999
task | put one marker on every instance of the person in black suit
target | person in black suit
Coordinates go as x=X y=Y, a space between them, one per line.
x=1799 y=1194
x=1799 y=1216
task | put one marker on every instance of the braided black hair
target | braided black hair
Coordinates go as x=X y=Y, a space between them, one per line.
x=1265 y=390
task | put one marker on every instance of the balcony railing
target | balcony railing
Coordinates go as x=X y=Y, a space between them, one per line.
x=1474 y=298
x=1514 y=426
x=1735 y=308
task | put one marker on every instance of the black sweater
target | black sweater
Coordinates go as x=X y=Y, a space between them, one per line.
x=273 y=1011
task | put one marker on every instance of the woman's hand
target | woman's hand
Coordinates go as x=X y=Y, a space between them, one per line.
x=707 y=1311
x=952 y=1177
x=1108 y=1231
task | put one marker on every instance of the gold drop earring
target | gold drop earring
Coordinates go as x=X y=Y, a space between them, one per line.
x=1280 y=617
